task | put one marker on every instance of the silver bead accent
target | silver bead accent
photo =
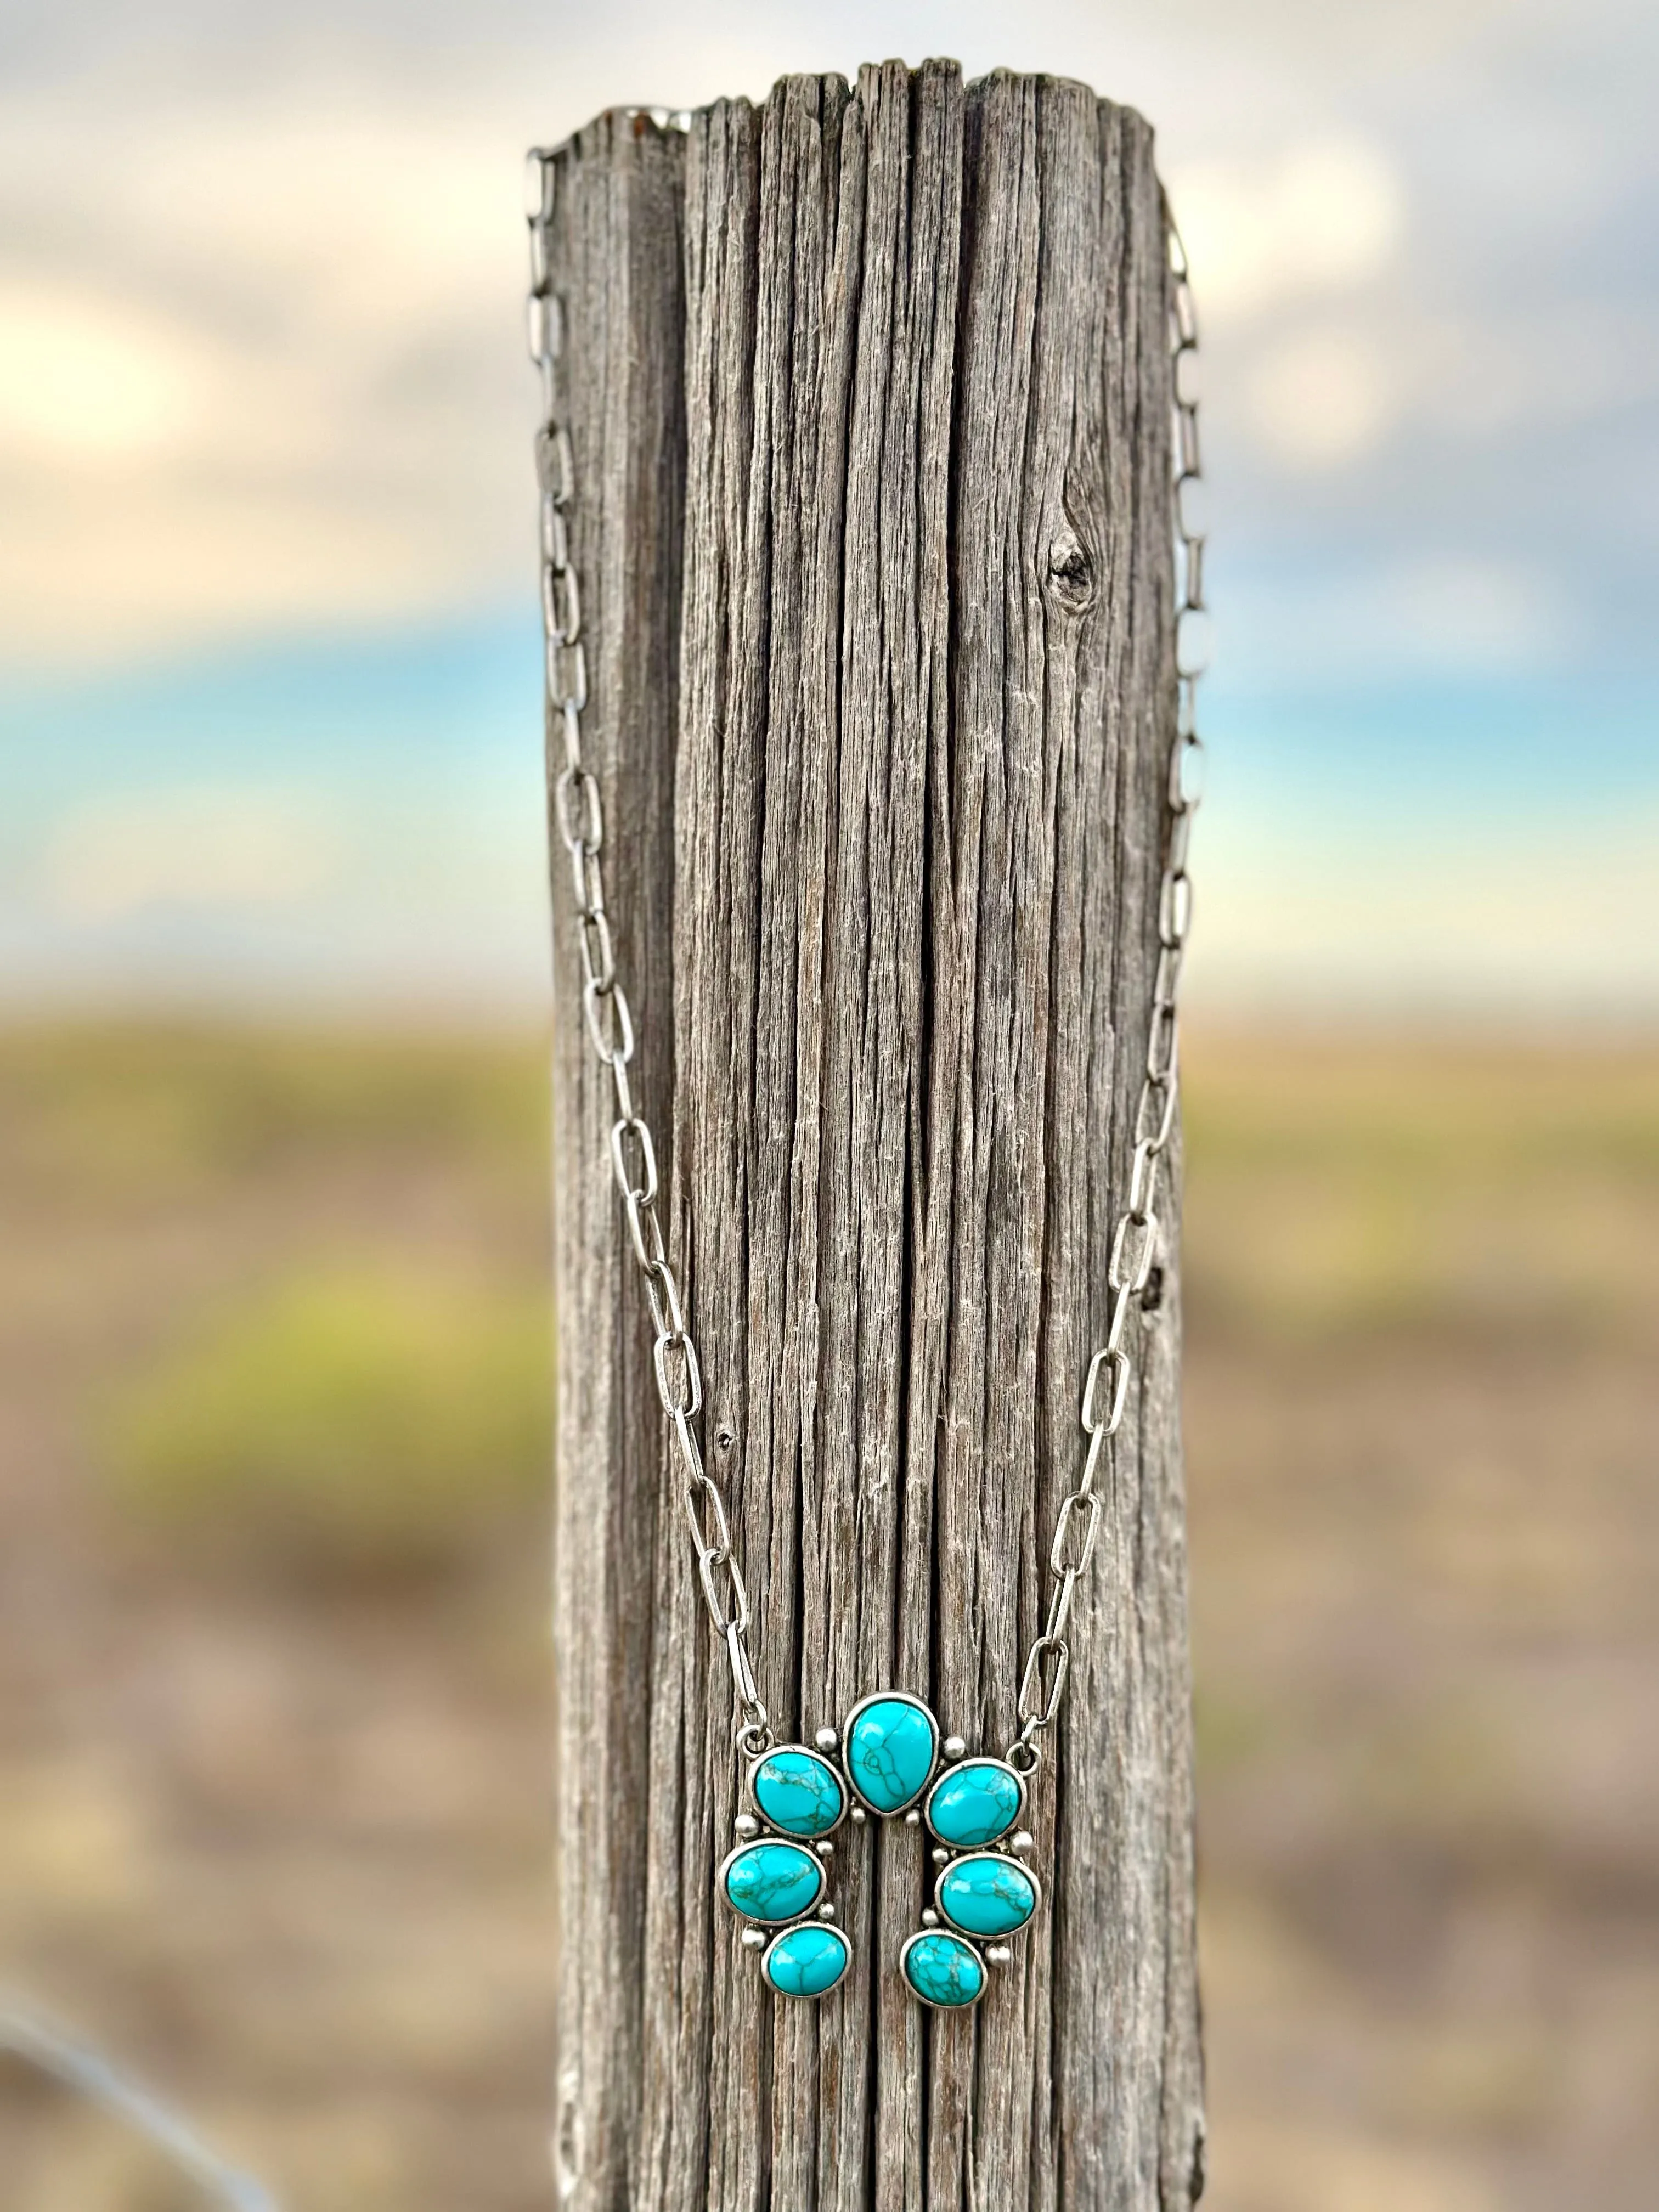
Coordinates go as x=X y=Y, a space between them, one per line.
x=827 y=1739
x=997 y=1954
x=913 y=1819
x=826 y=1912
x=746 y=1824
x=856 y=1816
x=752 y=1940
x=941 y=1857
x=826 y=1850
x=1023 y=1841
x=954 y=1747
x=929 y=1918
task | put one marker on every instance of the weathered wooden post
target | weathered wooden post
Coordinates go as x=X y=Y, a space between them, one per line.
x=868 y=493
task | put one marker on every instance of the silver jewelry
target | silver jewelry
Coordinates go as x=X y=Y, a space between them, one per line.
x=888 y=1760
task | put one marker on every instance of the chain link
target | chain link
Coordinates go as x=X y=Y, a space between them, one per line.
x=579 y=818
x=1135 y=1241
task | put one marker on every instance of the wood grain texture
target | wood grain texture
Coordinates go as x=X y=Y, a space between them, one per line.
x=869 y=396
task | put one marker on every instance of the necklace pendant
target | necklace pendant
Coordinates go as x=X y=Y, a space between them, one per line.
x=888 y=1760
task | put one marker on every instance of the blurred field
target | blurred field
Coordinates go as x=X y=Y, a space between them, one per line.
x=272 y=1753
x=1422 y=1423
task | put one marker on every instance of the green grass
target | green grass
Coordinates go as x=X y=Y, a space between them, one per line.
x=100 y=1113
x=1338 y=1186
x=359 y=1420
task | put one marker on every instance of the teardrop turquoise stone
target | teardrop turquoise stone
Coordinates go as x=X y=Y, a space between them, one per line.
x=773 y=1881
x=891 y=1744
x=805 y=1962
x=943 y=1970
x=976 y=1802
x=798 y=1792
x=987 y=1895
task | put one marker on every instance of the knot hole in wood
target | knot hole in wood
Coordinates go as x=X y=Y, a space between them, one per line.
x=1072 y=571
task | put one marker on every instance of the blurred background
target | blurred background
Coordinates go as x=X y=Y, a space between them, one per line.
x=274 y=1351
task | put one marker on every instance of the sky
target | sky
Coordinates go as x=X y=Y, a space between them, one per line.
x=269 y=724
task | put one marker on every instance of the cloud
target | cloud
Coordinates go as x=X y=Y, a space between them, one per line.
x=261 y=270
x=1432 y=912
x=285 y=386
x=1326 y=215
x=85 y=576
x=92 y=379
x=196 y=846
x=279 y=296
x=1447 y=613
x=1467 y=614
x=1323 y=397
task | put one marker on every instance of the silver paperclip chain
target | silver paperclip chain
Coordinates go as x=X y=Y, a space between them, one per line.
x=1134 y=1243
x=579 y=822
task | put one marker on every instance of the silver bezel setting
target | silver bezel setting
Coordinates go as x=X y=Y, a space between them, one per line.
x=820 y=1759
x=998 y=1858
x=889 y=1698
x=950 y=1774
x=957 y=1936
x=804 y=1996
x=776 y=1843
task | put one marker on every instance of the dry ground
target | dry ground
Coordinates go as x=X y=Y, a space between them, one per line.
x=275 y=1824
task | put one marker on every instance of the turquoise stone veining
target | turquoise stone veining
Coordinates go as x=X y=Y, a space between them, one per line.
x=798 y=1791
x=892 y=1743
x=977 y=1803
x=772 y=1882
x=943 y=1970
x=987 y=1895
x=806 y=1961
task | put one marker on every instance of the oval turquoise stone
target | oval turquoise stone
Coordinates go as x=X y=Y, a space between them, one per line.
x=773 y=1881
x=943 y=1970
x=798 y=1792
x=988 y=1896
x=976 y=1802
x=891 y=1744
x=805 y=1962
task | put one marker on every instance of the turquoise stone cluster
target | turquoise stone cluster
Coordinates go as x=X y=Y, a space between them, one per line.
x=777 y=1877
x=983 y=1893
x=890 y=1764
